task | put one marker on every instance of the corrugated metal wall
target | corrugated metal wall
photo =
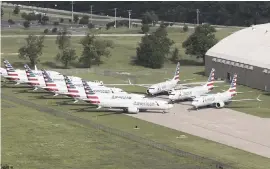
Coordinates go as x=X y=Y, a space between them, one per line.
x=255 y=78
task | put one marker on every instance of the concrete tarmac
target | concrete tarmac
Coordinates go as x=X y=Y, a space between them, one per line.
x=226 y=126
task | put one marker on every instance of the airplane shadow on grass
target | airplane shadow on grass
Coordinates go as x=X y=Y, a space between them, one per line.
x=110 y=111
x=50 y=96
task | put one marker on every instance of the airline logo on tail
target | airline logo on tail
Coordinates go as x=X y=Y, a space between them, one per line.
x=31 y=76
x=11 y=71
x=232 y=88
x=211 y=79
x=47 y=79
x=90 y=94
x=177 y=71
x=70 y=86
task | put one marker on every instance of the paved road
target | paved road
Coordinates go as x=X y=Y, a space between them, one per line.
x=226 y=126
x=79 y=35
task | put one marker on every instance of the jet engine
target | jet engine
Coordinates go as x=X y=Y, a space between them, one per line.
x=220 y=104
x=133 y=110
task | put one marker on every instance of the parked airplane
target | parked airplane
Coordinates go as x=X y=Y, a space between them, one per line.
x=191 y=93
x=17 y=75
x=3 y=72
x=219 y=100
x=52 y=86
x=20 y=76
x=128 y=103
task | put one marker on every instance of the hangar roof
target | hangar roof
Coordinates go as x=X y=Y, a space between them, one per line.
x=250 y=46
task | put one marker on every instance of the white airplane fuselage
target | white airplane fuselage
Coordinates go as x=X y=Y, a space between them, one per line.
x=111 y=93
x=183 y=94
x=218 y=99
x=161 y=87
x=135 y=105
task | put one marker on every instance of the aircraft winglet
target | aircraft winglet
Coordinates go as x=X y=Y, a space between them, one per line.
x=258 y=98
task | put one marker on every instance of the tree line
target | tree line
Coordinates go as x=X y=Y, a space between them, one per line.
x=153 y=50
x=220 y=13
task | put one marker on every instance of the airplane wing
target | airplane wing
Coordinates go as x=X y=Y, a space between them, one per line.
x=129 y=83
x=240 y=100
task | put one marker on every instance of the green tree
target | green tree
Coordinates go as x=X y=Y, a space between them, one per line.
x=91 y=26
x=45 y=19
x=16 y=10
x=200 y=41
x=66 y=53
x=63 y=39
x=153 y=49
x=185 y=28
x=149 y=18
x=76 y=18
x=61 y=20
x=145 y=28
x=26 y=24
x=55 y=23
x=33 y=49
x=175 y=55
x=84 y=20
x=11 y=22
x=94 y=49
x=66 y=56
x=23 y=15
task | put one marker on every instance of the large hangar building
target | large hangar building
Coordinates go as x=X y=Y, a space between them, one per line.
x=245 y=52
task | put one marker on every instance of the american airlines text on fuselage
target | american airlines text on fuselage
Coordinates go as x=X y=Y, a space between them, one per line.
x=121 y=97
x=136 y=103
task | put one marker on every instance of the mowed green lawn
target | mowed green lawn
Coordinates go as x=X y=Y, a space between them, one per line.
x=33 y=139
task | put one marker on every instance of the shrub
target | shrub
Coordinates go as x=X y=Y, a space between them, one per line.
x=16 y=10
x=145 y=28
x=91 y=26
x=46 y=31
x=55 y=23
x=185 y=28
x=54 y=30
x=11 y=22
x=61 y=20
x=26 y=24
x=70 y=20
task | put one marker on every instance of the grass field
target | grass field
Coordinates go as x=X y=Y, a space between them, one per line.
x=45 y=142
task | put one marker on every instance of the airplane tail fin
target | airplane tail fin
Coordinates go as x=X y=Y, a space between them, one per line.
x=232 y=88
x=90 y=94
x=70 y=86
x=87 y=88
x=177 y=71
x=8 y=67
x=32 y=78
x=211 y=80
x=48 y=80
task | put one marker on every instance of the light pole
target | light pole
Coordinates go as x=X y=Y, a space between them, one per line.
x=91 y=6
x=198 y=11
x=115 y=17
x=72 y=11
x=129 y=13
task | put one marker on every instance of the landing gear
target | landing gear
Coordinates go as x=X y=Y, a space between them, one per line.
x=125 y=110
